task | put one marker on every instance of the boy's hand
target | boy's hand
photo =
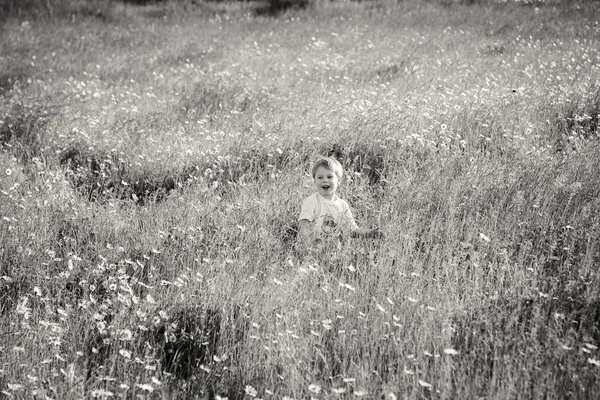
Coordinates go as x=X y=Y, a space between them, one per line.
x=376 y=233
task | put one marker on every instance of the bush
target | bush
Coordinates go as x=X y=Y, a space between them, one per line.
x=56 y=9
x=275 y=7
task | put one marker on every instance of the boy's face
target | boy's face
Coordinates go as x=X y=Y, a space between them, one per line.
x=326 y=182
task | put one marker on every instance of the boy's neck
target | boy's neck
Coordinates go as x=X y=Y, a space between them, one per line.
x=332 y=198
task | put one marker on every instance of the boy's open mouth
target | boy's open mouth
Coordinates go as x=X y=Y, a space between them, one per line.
x=325 y=186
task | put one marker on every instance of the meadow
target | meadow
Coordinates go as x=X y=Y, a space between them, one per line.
x=154 y=159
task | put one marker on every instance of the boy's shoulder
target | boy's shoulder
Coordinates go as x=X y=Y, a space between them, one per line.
x=312 y=197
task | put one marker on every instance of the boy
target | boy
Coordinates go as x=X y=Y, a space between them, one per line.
x=324 y=216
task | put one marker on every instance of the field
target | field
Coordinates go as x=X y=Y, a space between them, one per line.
x=154 y=159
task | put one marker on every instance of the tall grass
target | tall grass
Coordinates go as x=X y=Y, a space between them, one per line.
x=153 y=164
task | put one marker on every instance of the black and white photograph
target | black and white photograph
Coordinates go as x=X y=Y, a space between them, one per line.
x=300 y=199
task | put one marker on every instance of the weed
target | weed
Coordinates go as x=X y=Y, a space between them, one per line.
x=11 y=76
x=76 y=237
x=21 y=131
x=211 y=99
x=190 y=340
x=101 y=175
x=578 y=122
x=98 y=351
x=12 y=289
x=491 y=339
x=360 y=158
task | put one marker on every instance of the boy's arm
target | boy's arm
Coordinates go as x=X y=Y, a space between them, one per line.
x=304 y=231
x=303 y=241
x=356 y=232
x=307 y=215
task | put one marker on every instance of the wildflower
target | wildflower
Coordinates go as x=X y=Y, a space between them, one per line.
x=450 y=352
x=125 y=334
x=425 y=384
x=316 y=389
x=347 y=286
x=250 y=391
x=8 y=172
x=101 y=326
x=146 y=387
x=125 y=353
x=102 y=393
x=15 y=386
x=23 y=309
x=204 y=368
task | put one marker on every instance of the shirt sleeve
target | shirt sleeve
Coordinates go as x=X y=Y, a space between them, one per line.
x=308 y=210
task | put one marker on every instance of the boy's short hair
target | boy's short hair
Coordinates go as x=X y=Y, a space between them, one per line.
x=329 y=163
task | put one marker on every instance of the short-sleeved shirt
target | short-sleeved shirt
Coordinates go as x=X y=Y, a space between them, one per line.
x=328 y=217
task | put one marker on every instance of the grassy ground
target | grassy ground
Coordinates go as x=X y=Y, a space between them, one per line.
x=154 y=159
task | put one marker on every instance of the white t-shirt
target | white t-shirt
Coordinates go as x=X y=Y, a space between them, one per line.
x=328 y=218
